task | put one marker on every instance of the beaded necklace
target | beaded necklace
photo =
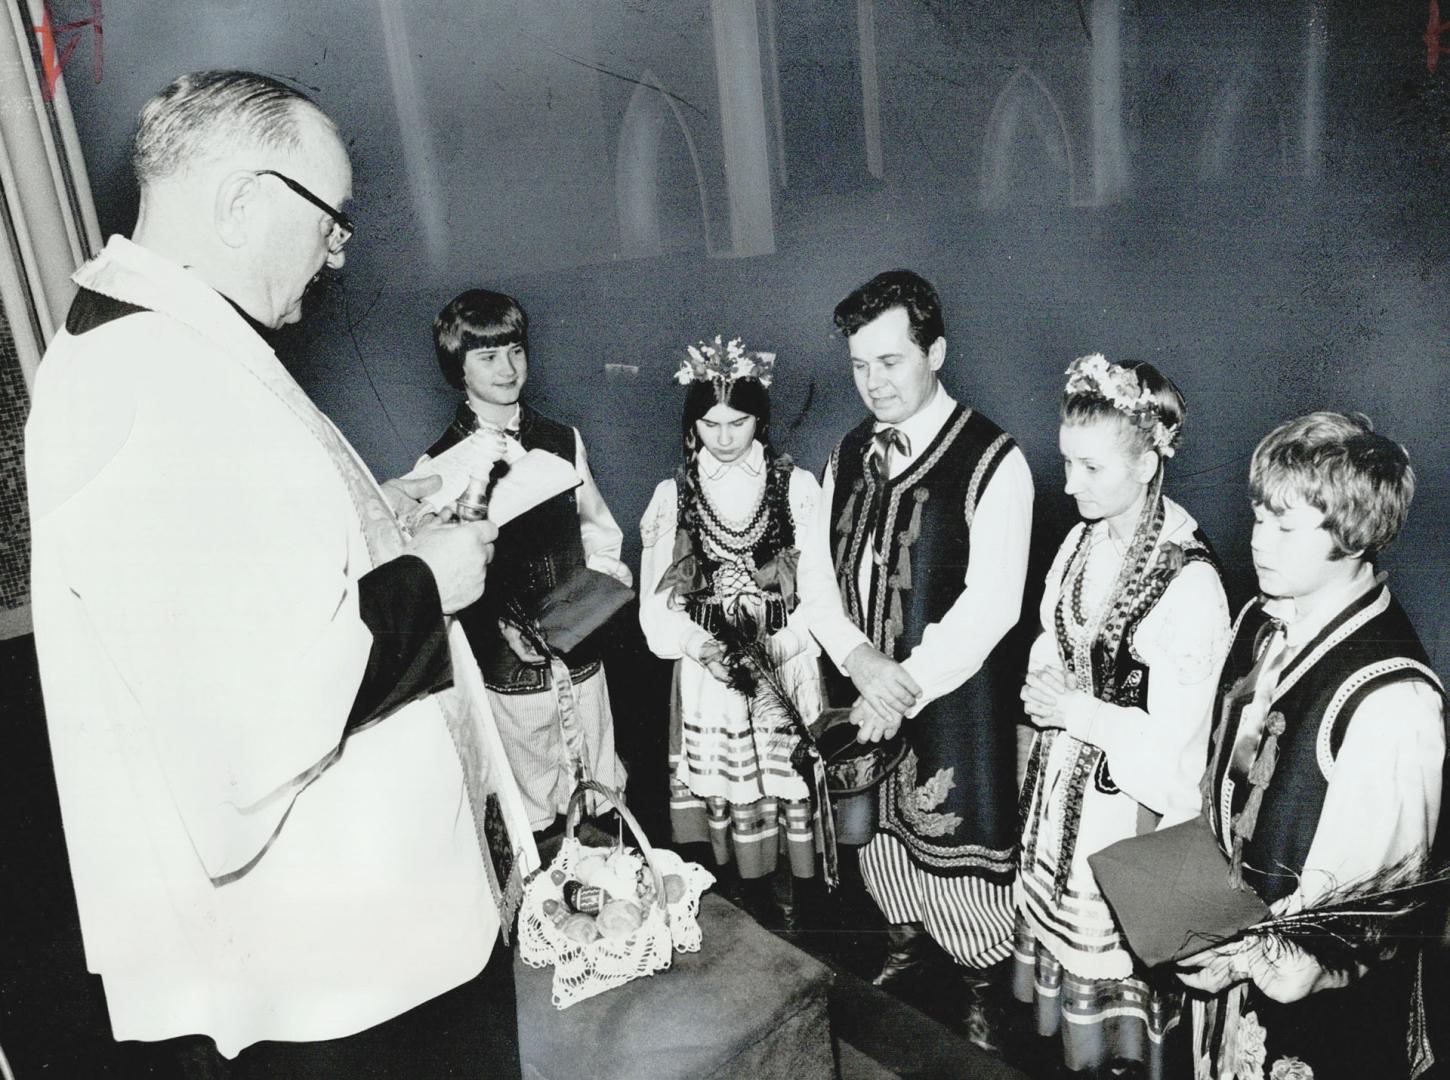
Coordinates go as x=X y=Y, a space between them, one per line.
x=1114 y=613
x=726 y=539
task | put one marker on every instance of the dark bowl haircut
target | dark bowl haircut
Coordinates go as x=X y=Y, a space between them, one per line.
x=476 y=319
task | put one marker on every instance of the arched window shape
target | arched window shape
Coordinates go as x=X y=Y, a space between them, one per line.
x=1243 y=133
x=1027 y=155
x=658 y=183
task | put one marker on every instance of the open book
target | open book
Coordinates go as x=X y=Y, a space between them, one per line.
x=531 y=479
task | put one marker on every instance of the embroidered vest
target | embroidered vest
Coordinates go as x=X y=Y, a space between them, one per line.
x=777 y=533
x=952 y=801
x=1368 y=645
x=1119 y=677
x=533 y=553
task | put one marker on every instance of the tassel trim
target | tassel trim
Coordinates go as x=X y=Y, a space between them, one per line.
x=900 y=579
x=1260 y=773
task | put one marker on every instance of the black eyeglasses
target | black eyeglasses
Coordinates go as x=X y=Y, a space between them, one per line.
x=342 y=227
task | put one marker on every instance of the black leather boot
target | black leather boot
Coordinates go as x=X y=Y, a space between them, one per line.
x=800 y=903
x=757 y=899
x=984 y=1017
x=910 y=947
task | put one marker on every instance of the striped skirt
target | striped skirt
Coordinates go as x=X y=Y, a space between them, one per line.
x=538 y=751
x=1100 y=1021
x=968 y=916
x=731 y=781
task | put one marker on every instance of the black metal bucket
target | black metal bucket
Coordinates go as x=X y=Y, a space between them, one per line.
x=854 y=771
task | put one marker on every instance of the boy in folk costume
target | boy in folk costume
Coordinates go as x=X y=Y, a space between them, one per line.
x=482 y=342
x=927 y=507
x=1326 y=761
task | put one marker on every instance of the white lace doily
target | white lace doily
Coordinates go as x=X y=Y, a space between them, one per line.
x=583 y=970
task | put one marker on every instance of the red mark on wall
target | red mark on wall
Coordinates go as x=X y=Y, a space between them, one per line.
x=1433 y=29
x=59 y=39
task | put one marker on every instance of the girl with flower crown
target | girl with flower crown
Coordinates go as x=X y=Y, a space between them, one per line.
x=1120 y=684
x=720 y=568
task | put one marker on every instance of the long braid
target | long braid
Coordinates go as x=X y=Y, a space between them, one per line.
x=688 y=496
x=781 y=532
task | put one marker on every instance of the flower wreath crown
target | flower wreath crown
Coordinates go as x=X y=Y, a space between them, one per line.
x=722 y=362
x=1121 y=388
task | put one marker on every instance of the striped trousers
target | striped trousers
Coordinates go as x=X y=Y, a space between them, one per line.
x=969 y=917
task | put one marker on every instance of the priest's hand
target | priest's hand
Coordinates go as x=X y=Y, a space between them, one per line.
x=458 y=555
x=404 y=498
x=882 y=683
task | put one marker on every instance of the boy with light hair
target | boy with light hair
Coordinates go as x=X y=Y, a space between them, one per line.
x=1327 y=759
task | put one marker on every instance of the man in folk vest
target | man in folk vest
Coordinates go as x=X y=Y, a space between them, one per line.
x=927 y=507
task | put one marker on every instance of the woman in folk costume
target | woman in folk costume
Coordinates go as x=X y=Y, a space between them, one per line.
x=1325 y=770
x=719 y=569
x=1121 y=683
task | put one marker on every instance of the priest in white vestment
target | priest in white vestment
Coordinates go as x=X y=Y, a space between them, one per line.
x=244 y=657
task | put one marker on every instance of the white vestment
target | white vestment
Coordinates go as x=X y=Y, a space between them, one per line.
x=197 y=551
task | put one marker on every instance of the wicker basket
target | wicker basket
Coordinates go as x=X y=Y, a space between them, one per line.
x=582 y=970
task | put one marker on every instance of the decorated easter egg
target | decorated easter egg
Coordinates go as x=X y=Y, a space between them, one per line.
x=620 y=918
x=580 y=928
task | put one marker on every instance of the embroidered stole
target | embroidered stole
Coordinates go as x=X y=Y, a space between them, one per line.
x=470 y=725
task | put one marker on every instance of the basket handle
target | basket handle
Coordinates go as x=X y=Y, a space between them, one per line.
x=615 y=799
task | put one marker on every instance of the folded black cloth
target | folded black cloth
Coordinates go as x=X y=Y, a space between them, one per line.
x=398 y=601
x=576 y=607
x=1171 y=894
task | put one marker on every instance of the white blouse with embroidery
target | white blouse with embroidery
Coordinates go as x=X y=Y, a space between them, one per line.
x=1152 y=758
x=1157 y=754
x=733 y=490
x=714 y=718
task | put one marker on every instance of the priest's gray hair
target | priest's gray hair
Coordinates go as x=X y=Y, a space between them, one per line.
x=203 y=115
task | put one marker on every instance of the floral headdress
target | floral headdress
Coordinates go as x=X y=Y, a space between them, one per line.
x=722 y=362
x=1121 y=388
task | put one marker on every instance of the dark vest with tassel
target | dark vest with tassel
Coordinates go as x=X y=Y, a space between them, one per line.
x=533 y=553
x=952 y=801
x=1366 y=646
x=1377 y=1024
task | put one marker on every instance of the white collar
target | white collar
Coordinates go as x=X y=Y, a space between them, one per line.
x=1178 y=527
x=751 y=462
x=1301 y=629
x=125 y=270
x=922 y=426
x=511 y=425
